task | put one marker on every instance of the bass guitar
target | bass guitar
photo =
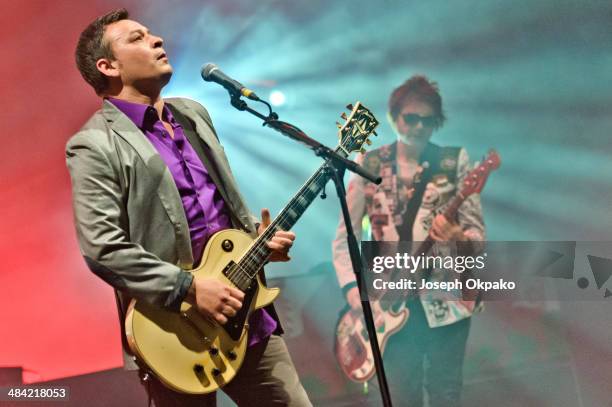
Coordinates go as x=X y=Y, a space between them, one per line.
x=352 y=346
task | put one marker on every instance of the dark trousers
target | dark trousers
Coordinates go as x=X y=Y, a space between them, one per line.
x=267 y=378
x=420 y=357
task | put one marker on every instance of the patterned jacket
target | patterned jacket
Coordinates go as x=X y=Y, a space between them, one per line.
x=394 y=211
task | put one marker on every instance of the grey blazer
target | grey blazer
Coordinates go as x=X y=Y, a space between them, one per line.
x=130 y=221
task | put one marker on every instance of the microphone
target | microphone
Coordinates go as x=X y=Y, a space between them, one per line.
x=212 y=73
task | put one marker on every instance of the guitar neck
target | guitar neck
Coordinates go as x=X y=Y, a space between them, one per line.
x=353 y=134
x=258 y=254
x=449 y=214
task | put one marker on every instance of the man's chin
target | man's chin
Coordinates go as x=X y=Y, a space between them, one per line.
x=165 y=77
x=413 y=141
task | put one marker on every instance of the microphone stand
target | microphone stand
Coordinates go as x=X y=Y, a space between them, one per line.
x=340 y=165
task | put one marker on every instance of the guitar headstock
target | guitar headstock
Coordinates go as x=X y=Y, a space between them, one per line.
x=475 y=180
x=358 y=126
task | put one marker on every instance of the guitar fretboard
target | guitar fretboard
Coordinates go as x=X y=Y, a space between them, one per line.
x=353 y=134
x=243 y=272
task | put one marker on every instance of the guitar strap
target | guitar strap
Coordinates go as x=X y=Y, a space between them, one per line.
x=442 y=162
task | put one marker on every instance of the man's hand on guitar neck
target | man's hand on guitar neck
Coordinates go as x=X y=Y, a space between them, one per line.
x=215 y=299
x=280 y=243
x=442 y=230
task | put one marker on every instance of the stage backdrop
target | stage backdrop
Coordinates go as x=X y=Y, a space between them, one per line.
x=529 y=78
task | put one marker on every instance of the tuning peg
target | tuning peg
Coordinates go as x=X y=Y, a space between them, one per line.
x=343 y=115
x=368 y=142
x=338 y=125
x=349 y=106
x=375 y=134
x=362 y=150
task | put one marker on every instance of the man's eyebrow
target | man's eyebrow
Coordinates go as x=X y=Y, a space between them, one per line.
x=140 y=30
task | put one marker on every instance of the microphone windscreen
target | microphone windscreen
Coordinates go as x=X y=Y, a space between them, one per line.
x=206 y=70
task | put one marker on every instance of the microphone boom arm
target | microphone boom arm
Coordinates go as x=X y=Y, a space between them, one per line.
x=293 y=132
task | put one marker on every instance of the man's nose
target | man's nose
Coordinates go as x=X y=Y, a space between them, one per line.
x=157 y=41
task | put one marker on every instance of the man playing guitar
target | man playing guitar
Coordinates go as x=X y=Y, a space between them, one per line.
x=436 y=332
x=151 y=185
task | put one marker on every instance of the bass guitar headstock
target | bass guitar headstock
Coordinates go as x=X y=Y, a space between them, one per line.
x=476 y=179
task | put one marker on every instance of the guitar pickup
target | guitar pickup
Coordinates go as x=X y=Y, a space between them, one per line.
x=229 y=267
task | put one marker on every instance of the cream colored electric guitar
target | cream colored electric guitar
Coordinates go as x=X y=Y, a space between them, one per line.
x=192 y=354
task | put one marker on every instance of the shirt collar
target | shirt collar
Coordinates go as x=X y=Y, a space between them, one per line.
x=143 y=116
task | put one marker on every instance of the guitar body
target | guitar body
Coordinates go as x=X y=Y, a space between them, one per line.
x=186 y=351
x=352 y=347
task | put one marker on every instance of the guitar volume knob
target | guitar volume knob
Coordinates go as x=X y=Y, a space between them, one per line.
x=227 y=245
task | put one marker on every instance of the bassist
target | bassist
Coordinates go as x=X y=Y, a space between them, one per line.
x=400 y=209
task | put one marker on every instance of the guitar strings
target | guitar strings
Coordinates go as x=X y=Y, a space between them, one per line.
x=239 y=274
x=248 y=258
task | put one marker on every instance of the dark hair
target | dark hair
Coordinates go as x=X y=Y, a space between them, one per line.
x=419 y=88
x=91 y=48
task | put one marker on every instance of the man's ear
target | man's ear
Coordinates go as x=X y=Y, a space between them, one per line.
x=108 y=67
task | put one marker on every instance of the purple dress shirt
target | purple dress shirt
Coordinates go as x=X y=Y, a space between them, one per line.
x=205 y=209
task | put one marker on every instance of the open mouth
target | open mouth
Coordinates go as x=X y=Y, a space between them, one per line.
x=163 y=55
